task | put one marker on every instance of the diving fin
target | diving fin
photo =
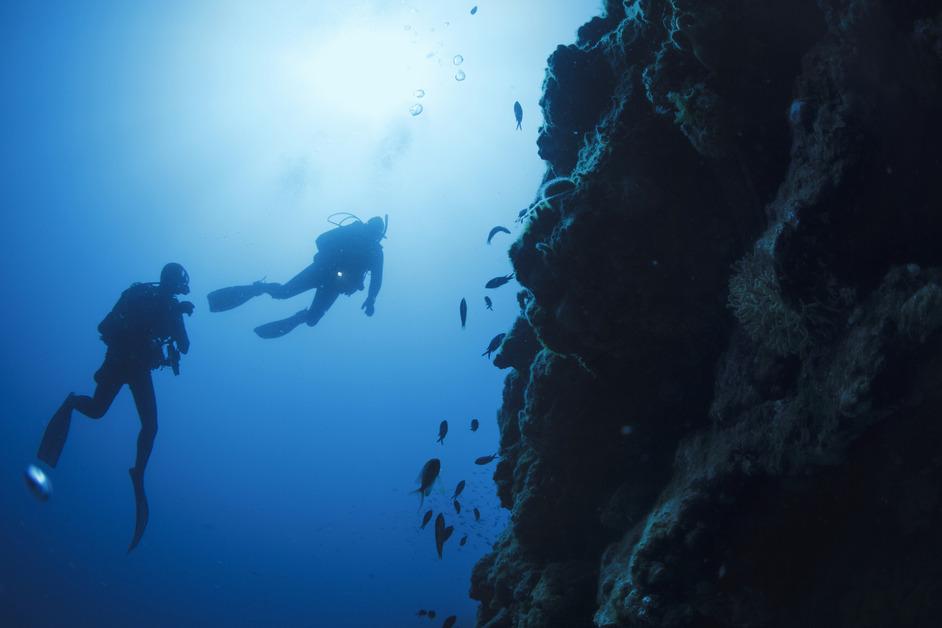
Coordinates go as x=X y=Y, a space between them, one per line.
x=56 y=432
x=229 y=298
x=277 y=329
x=141 y=509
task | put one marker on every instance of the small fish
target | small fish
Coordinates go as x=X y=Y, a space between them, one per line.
x=425 y=520
x=495 y=343
x=518 y=114
x=474 y=9
x=431 y=614
x=463 y=310
x=427 y=477
x=497 y=282
x=450 y=621
x=457 y=507
x=485 y=459
x=475 y=425
x=495 y=231
x=488 y=303
x=422 y=612
x=477 y=514
x=442 y=431
x=442 y=533
x=463 y=540
x=458 y=489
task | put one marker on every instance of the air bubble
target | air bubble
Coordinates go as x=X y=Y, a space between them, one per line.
x=419 y=93
x=458 y=60
x=416 y=109
x=460 y=76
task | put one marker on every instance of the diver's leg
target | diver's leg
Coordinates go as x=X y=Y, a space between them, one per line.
x=93 y=407
x=302 y=282
x=142 y=387
x=323 y=299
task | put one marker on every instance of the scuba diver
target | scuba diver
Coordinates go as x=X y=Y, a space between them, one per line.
x=344 y=255
x=146 y=321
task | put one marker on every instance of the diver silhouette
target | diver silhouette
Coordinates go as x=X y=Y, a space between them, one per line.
x=146 y=319
x=344 y=255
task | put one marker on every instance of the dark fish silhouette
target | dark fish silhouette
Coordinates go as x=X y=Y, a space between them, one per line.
x=488 y=303
x=458 y=489
x=463 y=540
x=450 y=621
x=457 y=507
x=442 y=533
x=422 y=612
x=474 y=9
x=497 y=282
x=427 y=477
x=431 y=614
x=485 y=459
x=463 y=310
x=495 y=343
x=426 y=519
x=518 y=114
x=495 y=231
x=474 y=425
x=442 y=431
x=477 y=514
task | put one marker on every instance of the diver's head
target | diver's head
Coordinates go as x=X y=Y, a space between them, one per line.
x=174 y=279
x=376 y=227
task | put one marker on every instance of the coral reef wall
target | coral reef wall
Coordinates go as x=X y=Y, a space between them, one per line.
x=724 y=406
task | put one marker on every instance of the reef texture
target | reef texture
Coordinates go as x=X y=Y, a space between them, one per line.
x=724 y=403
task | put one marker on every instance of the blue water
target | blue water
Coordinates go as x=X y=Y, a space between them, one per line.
x=221 y=135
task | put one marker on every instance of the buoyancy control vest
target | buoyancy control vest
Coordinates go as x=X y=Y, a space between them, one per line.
x=139 y=324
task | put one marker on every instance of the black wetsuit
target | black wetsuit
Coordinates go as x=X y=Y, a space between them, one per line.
x=344 y=256
x=144 y=319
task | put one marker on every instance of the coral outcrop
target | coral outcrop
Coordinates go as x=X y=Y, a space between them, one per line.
x=725 y=387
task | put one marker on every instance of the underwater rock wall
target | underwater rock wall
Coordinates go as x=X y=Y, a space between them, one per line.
x=723 y=404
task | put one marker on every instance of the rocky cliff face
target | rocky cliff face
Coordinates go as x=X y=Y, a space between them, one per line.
x=724 y=403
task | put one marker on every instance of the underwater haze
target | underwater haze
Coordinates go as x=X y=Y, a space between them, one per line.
x=221 y=135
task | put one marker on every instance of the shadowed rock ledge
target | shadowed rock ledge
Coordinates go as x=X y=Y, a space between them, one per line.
x=724 y=402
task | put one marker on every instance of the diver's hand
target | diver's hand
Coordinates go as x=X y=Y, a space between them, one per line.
x=369 y=306
x=186 y=307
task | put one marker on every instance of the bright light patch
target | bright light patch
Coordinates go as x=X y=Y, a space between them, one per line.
x=369 y=71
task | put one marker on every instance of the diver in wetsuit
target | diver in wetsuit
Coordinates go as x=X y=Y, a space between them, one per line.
x=146 y=319
x=344 y=256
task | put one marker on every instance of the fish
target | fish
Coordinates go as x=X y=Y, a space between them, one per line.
x=474 y=9
x=495 y=343
x=518 y=114
x=449 y=621
x=497 y=282
x=431 y=614
x=426 y=519
x=495 y=231
x=463 y=540
x=458 y=489
x=485 y=459
x=477 y=514
x=442 y=431
x=430 y=471
x=442 y=533
x=422 y=612
x=488 y=303
x=463 y=310
x=457 y=507
x=474 y=425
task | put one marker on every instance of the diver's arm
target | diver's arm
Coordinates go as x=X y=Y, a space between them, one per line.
x=178 y=329
x=376 y=275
